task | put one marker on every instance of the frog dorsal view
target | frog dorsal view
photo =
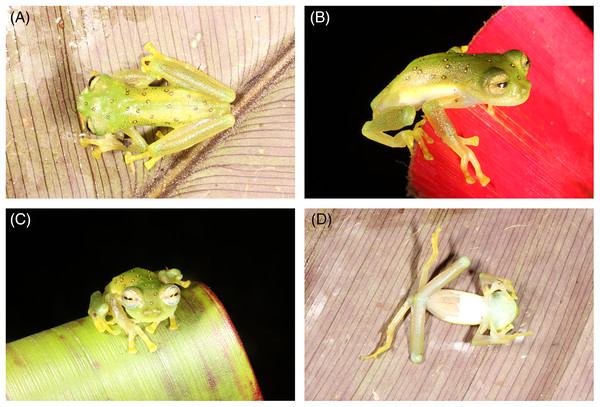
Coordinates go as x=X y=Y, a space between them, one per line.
x=194 y=105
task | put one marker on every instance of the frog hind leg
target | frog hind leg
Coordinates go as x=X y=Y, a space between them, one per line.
x=434 y=111
x=391 y=329
x=495 y=337
x=180 y=73
x=417 y=308
x=417 y=320
x=183 y=138
x=173 y=276
x=395 y=118
x=98 y=310
x=135 y=143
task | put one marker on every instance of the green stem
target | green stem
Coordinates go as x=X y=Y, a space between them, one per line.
x=202 y=360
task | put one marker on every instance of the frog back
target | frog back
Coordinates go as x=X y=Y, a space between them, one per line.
x=109 y=106
x=472 y=76
x=137 y=277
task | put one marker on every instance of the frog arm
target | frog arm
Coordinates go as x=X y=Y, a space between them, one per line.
x=495 y=337
x=127 y=324
x=183 y=74
x=183 y=138
x=98 y=310
x=417 y=321
x=490 y=283
x=109 y=142
x=434 y=111
x=173 y=276
x=395 y=118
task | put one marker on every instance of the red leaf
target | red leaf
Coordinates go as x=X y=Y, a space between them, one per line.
x=542 y=148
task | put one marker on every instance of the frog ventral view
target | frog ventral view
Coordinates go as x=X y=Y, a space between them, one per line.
x=447 y=80
x=495 y=311
x=194 y=105
x=135 y=296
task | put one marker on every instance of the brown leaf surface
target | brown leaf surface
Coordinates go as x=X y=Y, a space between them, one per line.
x=250 y=49
x=361 y=269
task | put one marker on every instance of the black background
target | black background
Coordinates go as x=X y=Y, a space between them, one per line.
x=348 y=63
x=245 y=256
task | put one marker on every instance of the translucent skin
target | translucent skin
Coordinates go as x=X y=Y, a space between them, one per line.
x=495 y=311
x=137 y=295
x=440 y=81
x=195 y=105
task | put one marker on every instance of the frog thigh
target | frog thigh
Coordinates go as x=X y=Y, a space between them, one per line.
x=182 y=138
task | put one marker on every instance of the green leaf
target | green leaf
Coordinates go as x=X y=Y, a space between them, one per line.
x=202 y=360
x=250 y=49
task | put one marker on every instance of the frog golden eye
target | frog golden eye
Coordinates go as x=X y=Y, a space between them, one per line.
x=171 y=295
x=498 y=85
x=130 y=298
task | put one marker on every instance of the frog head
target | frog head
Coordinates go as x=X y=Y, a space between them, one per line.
x=151 y=304
x=502 y=309
x=96 y=105
x=504 y=82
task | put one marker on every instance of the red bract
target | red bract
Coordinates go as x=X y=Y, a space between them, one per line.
x=542 y=148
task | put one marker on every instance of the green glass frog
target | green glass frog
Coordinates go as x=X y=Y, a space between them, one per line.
x=195 y=105
x=495 y=311
x=138 y=295
x=447 y=80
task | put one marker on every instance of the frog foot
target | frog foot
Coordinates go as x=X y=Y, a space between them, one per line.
x=419 y=134
x=103 y=325
x=108 y=143
x=501 y=337
x=137 y=331
x=491 y=284
x=148 y=164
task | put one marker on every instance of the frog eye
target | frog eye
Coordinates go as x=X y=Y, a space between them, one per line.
x=498 y=85
x=130 y=298
x=171 y=295
x=525 y=63
x=89 y=126
x=93 y=81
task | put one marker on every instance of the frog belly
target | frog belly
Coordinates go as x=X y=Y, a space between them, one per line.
x=457 y=307
x=417 y=96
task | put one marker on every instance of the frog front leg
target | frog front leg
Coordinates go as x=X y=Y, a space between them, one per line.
x=395 y=118
x=128 y=325
x=134 y=144
x=434 y=111
x=495 y=337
